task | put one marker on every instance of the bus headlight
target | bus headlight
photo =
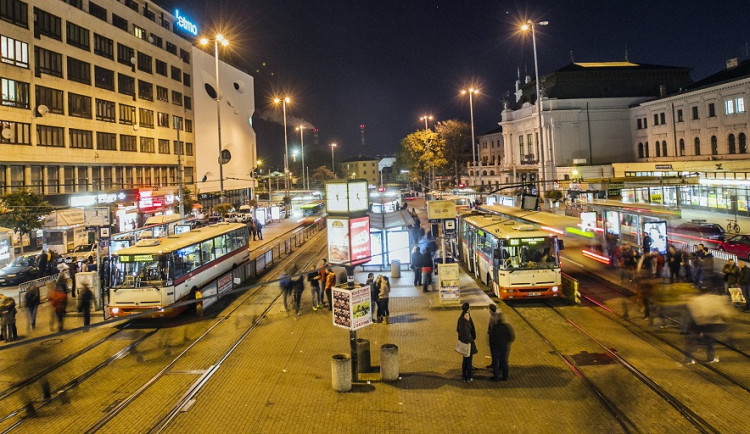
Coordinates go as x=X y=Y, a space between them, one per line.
x=115 y=310
x=554 y=289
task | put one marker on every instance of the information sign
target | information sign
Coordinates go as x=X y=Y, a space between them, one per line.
x=225 y=283
x=448 y=282
x=441 y=209
x=352 y=308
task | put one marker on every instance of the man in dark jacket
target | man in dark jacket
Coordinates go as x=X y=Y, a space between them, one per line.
x=731 y=276
x=501 y=335
x=744 y=282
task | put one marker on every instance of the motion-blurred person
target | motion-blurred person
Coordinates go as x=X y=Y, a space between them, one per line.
x=72 y=274
x=8 y=331
x=330 y=283
x=416 y=260
x=629 y=263
x=43 y=261
x=731 y=276
x=85 y=297
x=674 y=262
x=259 y=230
x=383 y=295
x=298 y=287
x=314 y=278
x=686 y=263
x=699 y=258
x=501 y=336
x=656 y=262
x=253 y=228
x=644 y=287
x=59 y=301
x=707 y=314
x=426 y=270
x=744 y=282
x=466 y=335
x=31 y=301
x=285 y=284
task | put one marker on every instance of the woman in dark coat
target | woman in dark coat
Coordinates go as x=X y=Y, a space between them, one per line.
x=466 y=334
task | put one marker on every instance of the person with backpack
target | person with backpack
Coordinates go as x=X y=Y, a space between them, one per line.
x=501 y=336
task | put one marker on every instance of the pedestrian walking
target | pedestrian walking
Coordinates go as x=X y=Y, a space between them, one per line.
x=383 y=295
x=706 y=316
x=466 y=335
x=85 y=297
x=59 y=301
x=298 y=287
x=314 y=278
x=72 y=270
x=285 y=284
x=629 y=261
x=8 y=331
x=731 y=276
x=31 y=301
x=330 y=282
x=744 y=282
x=686 y=264
x=647 y=242
x=259 y=230
x=416 y=261
x=253 y=228
x=501 y=336
x=426 y=270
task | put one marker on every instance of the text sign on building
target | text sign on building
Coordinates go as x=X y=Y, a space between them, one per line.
x=185 y=24
x=351 y=307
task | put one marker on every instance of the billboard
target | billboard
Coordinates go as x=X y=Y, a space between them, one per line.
x=657 y=231
x=352 y=308
x=338 y=240
x=359 y=231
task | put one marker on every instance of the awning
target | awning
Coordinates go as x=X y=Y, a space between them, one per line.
x=390 y=220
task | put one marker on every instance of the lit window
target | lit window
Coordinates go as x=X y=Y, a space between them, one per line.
x=740 y=104
x=729 y=106
x=14 y=52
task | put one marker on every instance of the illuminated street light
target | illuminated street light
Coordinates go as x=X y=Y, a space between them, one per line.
x=532 y=25
x=284 y=102
x=219 y=39
x=301 y=129
x=471 y=91
x=333 y=165
x=425 y=118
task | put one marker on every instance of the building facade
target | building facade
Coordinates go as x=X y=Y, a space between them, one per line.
x=237 y=104
x=491 y=154
x=362 y=167
x=93 y=95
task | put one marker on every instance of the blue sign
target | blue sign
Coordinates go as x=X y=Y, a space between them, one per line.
x=185 y=24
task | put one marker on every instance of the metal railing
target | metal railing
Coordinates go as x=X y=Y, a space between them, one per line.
x=41 y=283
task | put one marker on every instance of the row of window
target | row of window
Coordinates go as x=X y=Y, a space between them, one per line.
x=47 y=135
x=77 y=178
x=731 y=106
x=735 y=145
x=492 y=143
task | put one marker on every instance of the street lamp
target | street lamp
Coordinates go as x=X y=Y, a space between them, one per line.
x=531 y=25
x=219 y=39
x=471 y=91
x=301 y=130
x=333 y=165
x=425 y=118
x=284 y=101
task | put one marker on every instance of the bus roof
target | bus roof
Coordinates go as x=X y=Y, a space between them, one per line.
x=502 y=227
x=176 y=242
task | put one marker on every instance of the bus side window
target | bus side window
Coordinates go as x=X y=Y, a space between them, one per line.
x=221 y=244
x=207 y=250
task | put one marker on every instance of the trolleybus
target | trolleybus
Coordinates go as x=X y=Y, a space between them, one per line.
x=156 y=273
x=515 y=260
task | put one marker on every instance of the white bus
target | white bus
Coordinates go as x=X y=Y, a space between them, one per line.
x=515 y=260
x=155 y=273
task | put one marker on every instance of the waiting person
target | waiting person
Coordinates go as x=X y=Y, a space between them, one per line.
x=744 y=282
x=501 y=336
x=674 y=263
x=467 y=334
x=31 y=301
x=426 y=271
x=647 y=242
x=330 y=283
x=314 y=278
x=8 y=329
x=253 y=228
x=416 y=261
x=699 y=258
x=731 y=276
x=43 y=261
x=383 y=294
x=85 y=297
x=259 y=230
x=374 y=291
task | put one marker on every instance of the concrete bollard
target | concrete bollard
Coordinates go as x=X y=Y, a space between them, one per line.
x=363 y=356
x=389 y=362
x=341 y=373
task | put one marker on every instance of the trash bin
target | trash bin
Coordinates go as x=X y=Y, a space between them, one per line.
x=341 y=373
x=389 y=362
x=395 y=269
x=363 y=355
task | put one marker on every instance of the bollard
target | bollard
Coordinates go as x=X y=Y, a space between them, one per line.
x=341 y=373
x=389 y=362
x=395 y=269
x=363 y=355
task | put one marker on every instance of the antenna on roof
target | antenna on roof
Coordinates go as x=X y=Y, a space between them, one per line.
x=571 y=55
x=626 y=53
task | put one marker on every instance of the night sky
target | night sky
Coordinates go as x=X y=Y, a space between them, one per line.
x=385 y=63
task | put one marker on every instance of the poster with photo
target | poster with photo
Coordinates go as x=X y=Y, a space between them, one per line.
x=359 y=228
x=338 y=240
x=658 y=233
x=361 y=307
x=341 y=311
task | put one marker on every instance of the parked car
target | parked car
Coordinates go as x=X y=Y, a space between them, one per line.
x=21 y=270
x=84 y=252
x=700 y=229
x=738 y=245
x=214 y=219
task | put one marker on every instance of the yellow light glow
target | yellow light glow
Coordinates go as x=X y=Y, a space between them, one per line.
x=333 y=145
x=276 y=100
x=224 y=42
x=260 y=162
x=575 y=172
x=287 y=100
x=219 y=37
x=525 y=27
x=204 y=41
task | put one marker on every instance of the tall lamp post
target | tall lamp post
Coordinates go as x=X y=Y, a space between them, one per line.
x=333 y=165
x=425 y=118
x=301 y=130
x=219 y=39
x=284 y=101
x=532 y=25
x=471 y=91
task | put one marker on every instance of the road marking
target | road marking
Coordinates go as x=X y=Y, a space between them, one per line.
x=570 y=260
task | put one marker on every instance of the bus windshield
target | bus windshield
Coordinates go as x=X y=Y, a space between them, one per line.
x=527 y=254
x=138 y=271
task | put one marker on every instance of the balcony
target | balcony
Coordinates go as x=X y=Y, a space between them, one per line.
x=529 y=159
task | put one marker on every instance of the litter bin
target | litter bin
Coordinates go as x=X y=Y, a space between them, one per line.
x=389 y=362
x=363 y=355
x=395 y=269
x=341 y=373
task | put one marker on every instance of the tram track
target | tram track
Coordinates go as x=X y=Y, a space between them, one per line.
x=118 y=407
x=60 y=392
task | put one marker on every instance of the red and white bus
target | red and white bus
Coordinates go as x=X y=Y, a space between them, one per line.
x=156 y=273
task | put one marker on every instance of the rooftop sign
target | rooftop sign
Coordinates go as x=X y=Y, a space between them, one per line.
x=185 y=24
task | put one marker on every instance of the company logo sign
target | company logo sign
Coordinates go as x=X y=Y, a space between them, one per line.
x=185 y=24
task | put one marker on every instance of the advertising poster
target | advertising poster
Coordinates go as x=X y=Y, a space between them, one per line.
x=359 y=229
x=341 y=307
x=338 y=240
x=208 y=295
x=225 y=283
x=440 y=209
x=658 y=233
x=588 y=221
x=361 y=309
x=275 y=213
x=449 y=287
x=612 y=219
